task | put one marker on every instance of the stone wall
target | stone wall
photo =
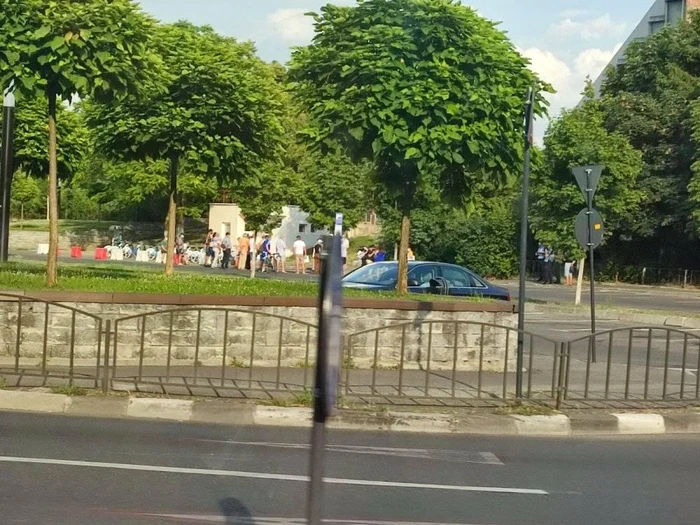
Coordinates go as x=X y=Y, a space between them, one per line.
x=271 y=333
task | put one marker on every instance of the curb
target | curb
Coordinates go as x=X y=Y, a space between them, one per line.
x=228 y=412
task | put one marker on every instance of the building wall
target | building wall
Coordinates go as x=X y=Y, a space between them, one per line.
x=659 y=15
x=226 y=217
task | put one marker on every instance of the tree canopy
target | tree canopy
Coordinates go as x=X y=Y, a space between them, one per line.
x=60 y=49
x=579 y=138
x=416 y=87
x=216 y=106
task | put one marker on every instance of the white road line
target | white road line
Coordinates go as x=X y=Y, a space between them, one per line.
x=459 y=456
x=242 y=520
x=270 y=476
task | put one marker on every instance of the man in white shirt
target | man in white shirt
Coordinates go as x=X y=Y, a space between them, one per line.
x=299 y=254
x=344 y=246
x=280 y=255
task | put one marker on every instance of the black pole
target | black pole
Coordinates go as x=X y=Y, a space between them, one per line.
x=523 y=243
x=591 y=269
x=8 y=133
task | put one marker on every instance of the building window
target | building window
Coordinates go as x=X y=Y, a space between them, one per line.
x=656 y=26
x=302 y=228
x=674 y=11
x=314 y=229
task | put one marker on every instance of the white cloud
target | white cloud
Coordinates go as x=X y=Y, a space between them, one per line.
x=292 y=25
x=590 y=29
x=567 y=78
x=573 y=13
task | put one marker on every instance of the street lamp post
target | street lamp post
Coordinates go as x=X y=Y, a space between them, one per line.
x=8 y=134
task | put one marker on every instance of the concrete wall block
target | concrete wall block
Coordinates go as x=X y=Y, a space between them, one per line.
x=31 y=349
x=58 y=350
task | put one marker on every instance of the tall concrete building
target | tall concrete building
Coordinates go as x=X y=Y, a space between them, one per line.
x=661 y=14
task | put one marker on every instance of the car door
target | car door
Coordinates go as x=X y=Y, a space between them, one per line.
x=461 y=282
x=420 y=276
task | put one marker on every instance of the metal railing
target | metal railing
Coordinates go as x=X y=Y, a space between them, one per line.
x=446 y=361
x=212 y=351
x=231 y=352
x=47 y=343
x=636 y=363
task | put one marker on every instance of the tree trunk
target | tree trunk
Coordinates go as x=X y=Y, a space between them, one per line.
x=253 y=254
x=579 y=282
x=172 y=216
x=52 y=263
x=21 y=216
x=402 y=283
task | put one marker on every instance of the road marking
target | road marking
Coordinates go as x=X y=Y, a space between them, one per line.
x=269 y=476
x=692 y=373
x=459 y=456
x=244 y=520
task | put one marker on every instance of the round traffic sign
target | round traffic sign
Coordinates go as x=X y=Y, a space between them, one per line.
x=596 y=228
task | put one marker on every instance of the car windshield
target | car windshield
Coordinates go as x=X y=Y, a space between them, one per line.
x=378 y=273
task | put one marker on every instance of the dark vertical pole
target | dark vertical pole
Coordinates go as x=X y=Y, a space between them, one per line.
x=523 y=242
x=8 y=132
x=591 y=267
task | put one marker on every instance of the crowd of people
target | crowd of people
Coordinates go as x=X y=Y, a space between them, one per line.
x=546 y=261
x=270 y=254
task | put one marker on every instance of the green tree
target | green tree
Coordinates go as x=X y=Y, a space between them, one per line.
x=579 y=138
x=333 y=184
x=97 y=48
x=649 y=99
x=419 y=87
x=25 y=189
x=32 y=135
x=216 y=107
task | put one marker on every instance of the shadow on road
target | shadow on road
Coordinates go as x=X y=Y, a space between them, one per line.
x=235 y=512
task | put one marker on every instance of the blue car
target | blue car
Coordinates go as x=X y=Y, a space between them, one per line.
x=425 y=278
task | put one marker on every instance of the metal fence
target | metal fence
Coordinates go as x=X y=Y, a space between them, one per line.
x=239 y=353
x=45 y=343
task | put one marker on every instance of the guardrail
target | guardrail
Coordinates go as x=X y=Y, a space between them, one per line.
x=232 y=352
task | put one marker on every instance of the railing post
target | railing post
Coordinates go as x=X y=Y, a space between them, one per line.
x=685 y=279
x=561 y=386
x=105 y=370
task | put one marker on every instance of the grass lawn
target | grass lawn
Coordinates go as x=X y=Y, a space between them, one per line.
x=28 y=276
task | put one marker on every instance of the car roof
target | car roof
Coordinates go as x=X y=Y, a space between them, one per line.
x=413 y=264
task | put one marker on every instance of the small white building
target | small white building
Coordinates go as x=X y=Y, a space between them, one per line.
x=225 y=218
x=295 y=222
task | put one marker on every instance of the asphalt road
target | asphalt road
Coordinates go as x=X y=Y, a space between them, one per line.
x=71 y=471
x=612 y=295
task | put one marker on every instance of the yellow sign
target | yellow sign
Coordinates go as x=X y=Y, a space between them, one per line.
x=597 y=226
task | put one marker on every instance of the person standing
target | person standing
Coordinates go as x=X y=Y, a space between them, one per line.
x=318 y=248
x=539 y=265
x=264 y=251
x=207 y=249
x=344 y=247
x=410 y=256
x=280 y=255
x=548 y=264
x=214 y=245
x=243 y=249
x=299 y=254
x=226 y=246
x=569 y=272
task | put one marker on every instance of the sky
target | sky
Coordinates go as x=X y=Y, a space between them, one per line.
x=566 y=40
